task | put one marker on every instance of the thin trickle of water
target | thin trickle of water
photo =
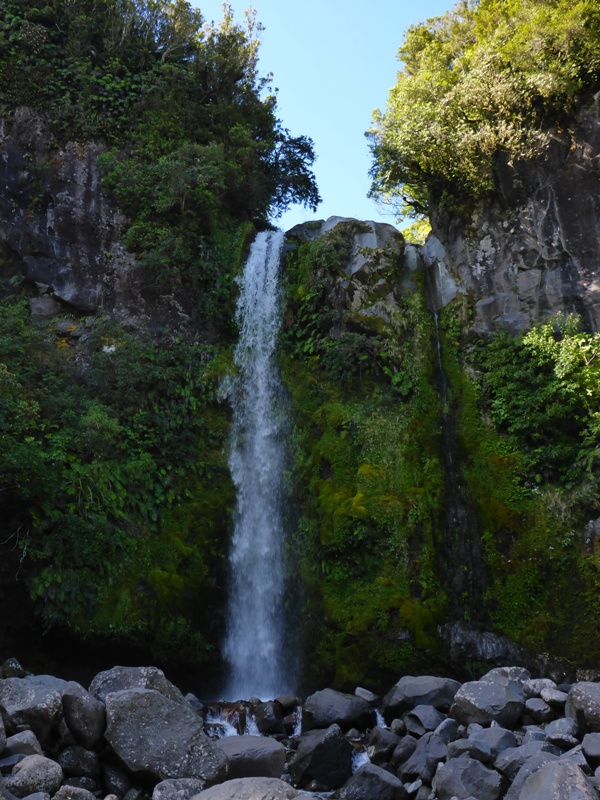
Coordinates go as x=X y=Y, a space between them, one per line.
x=254 y=645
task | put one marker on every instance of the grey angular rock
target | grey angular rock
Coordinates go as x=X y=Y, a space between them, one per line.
x=412 y=691
x=539 y=710
x=251 y=789
x=463 y=777
x=120 y=678
x=268 y=717
x=591 y=748
x=555 y=698
x=67 y=792
x=115 y=780
x=448 y=730
x=178 y=789
x=85 y=715
x=329 y=707
x=488 y=700
x=423 y=718
x=576 y=756
x=404 y=750
x=370 y=782
x=510 y=761
x=153 y=733
x=324 y=756
x=77 y=761
x=367 y=696
x=34 y=774
x=253 y=756
x=30 y=703
x=473 y=748
x=583 y=704
x=381 y=743
x=558 y=780
x=25 y=742
x=429 y=751
x=528 y=767
x=535 y=686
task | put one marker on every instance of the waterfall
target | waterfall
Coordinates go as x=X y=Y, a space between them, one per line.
x=254 y=644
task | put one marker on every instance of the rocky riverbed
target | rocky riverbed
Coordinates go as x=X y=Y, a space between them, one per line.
x=133 y=735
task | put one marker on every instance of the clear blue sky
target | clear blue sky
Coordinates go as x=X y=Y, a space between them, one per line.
x=333 y=62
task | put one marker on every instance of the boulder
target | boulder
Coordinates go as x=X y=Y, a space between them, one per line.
x=25 y=743
x=31 y=703
x=510 y=761
x=251 y=789
x=253 y=756
x=152 y=733
x=464 y=777
x=412 y=691
x=329 y=707
x=539 y=710
x=488 y=700
x=558 y=780
x=85 y=715
x=77 y=761
x=423 y=718
x=323 y=756
x=268 y=717
x=67 y=792
x=429 y=751
x=381 y=743
x=473 y=748
x=120 y=678
x=591 y=748
x=528 y=767
x=498 y=738
x=372 y=783
x=178 y=789
x=115 y=780
x=34 y=774
x=583 y=704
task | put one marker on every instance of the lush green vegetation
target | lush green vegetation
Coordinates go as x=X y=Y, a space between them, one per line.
x=368 y=472
x=113 y=482
x=526 y=449
x=195 y=148
x=488 y=79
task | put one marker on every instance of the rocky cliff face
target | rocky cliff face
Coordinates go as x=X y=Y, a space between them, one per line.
x=58 y=231
x=533 y=249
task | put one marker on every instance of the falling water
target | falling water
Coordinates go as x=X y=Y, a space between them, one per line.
x=254 y=646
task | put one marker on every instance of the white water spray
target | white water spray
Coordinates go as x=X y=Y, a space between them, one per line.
x=254 y=646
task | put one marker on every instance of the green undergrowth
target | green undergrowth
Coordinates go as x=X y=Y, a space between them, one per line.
x=114 y=483
x=368 y=472
x=527 y=443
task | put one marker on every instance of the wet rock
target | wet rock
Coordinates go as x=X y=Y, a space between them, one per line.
x=324 y=756
x=253 y=756
x=31 y=703
x=558 y=780
x=268 y=718
x=34 y=774
x=412 y=691
x=251 y=789
x=372 y=783
x=85 y=715
x=120 y=678
x=423 y=718
x=429 y=751
x=151 y=732
x=464 y=777
x=583 y=704
x=329 y=707
x=381 y=743
x=178 y=789
x=403 y=750
x=487 y=700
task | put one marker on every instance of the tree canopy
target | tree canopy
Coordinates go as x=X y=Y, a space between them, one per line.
x=487 y=77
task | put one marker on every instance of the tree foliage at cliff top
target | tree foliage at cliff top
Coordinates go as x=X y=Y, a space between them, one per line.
x=152 y=79
x=486 y=78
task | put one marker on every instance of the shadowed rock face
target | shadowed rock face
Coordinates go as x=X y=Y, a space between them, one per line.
x=59 y=231
x=533 y=249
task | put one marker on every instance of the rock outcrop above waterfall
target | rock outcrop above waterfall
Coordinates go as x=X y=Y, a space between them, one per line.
x=494 y=741
x=59 y=233
x=532 y=249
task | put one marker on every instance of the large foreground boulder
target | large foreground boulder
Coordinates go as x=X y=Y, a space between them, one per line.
x=329 y=707
x=251 y=789
x=324 y=757
x=583 y=704
x=558 y=780
x=152 y=733
x=118 y=679
x=253 y=756
x=31 y=703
